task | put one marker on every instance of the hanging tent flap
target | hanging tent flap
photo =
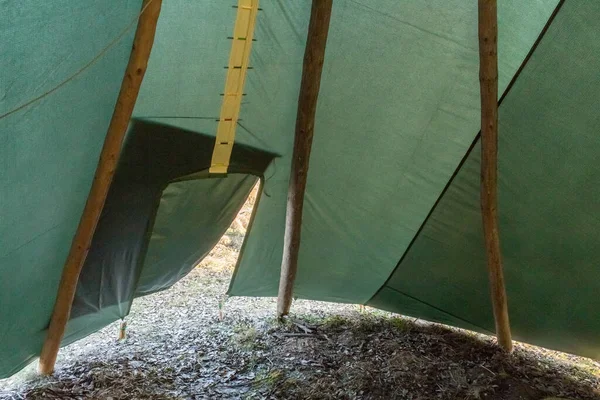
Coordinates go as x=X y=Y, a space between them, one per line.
x=191 y=218
x=153 y=230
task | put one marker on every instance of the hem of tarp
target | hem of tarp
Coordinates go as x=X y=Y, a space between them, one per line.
x=20 y=366
x=462 y=323
x=77 y=326
x=336 y=300
x=69 y=338
x=465 y=323
x=469 y=150
x=261 y=187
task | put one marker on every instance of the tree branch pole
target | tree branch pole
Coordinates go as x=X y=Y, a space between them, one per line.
x=134 y=74
x=488 y=78
x=314 y=56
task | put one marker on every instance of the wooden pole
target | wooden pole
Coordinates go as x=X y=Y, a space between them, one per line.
x=134 y=74
x=488 y=78
x=123 y=330
x=314 y=56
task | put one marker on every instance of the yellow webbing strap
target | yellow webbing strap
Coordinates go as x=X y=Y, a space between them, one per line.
x=239 y=57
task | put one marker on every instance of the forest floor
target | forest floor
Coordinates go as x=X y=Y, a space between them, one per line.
x=181 y=344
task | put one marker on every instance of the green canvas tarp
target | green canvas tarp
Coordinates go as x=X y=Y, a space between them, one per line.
x=162 y=214
x=391 y=216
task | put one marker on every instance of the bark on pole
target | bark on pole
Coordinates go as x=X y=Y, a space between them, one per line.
x=314 y=56
x=488 y=78
x=134 y=74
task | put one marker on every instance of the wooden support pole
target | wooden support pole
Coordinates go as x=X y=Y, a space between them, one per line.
x=488 y=78
x=314 y=56
x=134 y=74
x=123 y=330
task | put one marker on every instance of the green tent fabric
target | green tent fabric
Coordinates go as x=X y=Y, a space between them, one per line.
x=162 y=214
x=49 y=150
x=173 y=251
x=391 y=214
x=398 y=108
x=549 y=146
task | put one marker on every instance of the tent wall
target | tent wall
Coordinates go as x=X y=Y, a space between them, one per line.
x=398 y=108
x=548 y=173
x=49 y=150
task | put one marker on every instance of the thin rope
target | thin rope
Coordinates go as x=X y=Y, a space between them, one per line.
x=82 y=69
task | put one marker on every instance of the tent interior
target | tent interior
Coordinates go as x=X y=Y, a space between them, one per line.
x=391 y=211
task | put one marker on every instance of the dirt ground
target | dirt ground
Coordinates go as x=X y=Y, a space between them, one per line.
x=190 y=342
